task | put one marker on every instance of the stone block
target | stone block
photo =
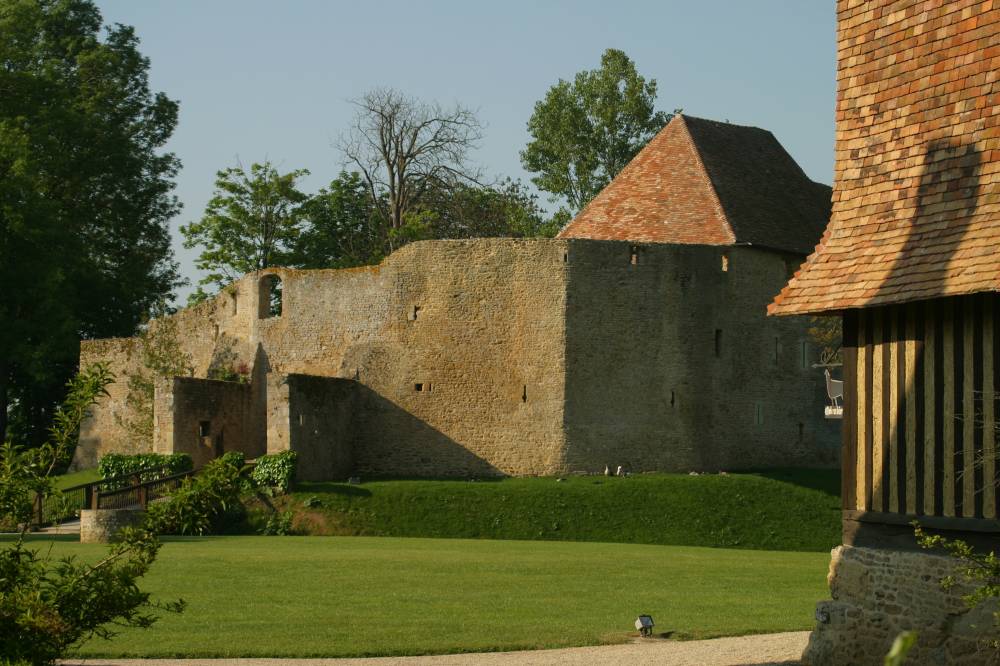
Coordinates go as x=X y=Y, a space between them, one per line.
x=104 y=525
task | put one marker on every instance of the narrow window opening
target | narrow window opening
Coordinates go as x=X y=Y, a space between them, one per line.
x=412 y=314
x=718 y=342
x=758 y=413
x=801 y=432
x=302 y=419
x=422 y=387
x=524 y=393
x=235 y=303
x=565 y=257
x=270 y=296
x=215 y=332
x=634 y=252
x=804 y=354
x=204 y=428
x=673 y=399
x=777 y=350
x=725 y=263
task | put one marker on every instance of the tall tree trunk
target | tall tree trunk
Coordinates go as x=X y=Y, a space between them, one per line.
x=4 y=379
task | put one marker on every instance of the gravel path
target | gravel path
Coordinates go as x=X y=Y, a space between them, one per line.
x=784 y=649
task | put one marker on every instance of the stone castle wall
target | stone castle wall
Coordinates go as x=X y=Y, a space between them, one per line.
x=672 y=365
x=877 y=594
x=501 y=356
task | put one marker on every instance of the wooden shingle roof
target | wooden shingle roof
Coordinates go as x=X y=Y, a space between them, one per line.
x=707 y=182
x=916 y=212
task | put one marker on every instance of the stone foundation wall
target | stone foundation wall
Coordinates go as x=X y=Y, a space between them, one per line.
x=879 y=593
x=103 y=525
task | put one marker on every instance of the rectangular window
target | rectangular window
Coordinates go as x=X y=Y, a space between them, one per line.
x=204 y=428
x=422 y=387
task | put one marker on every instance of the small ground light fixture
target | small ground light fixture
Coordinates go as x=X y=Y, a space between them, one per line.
x=644 y=623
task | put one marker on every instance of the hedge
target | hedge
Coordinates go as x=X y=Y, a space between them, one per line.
x=276 y=470
x=117 y=464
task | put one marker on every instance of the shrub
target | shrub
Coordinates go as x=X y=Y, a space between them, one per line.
x=278 y=524
x=276 y=470
x=47 y=605
x=203 y=503
x=117 y=464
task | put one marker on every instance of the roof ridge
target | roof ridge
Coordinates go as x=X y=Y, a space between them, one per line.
x=708 y=179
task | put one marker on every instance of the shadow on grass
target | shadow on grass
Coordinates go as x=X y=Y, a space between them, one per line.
x=348 y=490
x=824 y=480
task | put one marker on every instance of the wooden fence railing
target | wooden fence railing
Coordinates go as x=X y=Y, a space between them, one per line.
x=120 y=492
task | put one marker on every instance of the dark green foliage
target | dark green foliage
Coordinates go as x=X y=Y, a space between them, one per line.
x=585 y=131
x=343 y=227
x=85 y=198
x=278 y=523
x=204 y=503
x=117 y=464
x=276 y=470
x=48 y=605
x=791 y=510
x=24 y=473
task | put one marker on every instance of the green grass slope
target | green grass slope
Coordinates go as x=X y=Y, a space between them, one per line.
x=313 y=596
x=785 y=510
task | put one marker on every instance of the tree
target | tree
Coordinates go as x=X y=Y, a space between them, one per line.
x=585 y=131
x=404 y=148
x=251 y=222
x=85 y=197
x=504 y=209
x=342 y=227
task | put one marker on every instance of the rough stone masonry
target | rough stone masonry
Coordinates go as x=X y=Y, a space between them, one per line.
x=494 y=357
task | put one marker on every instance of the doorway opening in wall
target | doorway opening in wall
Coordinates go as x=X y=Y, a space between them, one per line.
x=270 y=296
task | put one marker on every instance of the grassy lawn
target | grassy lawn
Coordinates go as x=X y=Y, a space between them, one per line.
x=77 y=478
x=323 y=596
x=779 y=510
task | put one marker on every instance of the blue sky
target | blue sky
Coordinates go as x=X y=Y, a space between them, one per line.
x=271 y=80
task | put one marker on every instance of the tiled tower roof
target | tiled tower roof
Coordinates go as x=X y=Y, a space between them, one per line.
x=706 y=182
x=916 y=211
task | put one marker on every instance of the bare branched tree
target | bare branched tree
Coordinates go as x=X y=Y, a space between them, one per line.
x=406 y=148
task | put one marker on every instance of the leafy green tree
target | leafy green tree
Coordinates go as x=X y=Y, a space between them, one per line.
x=342 y=227
x=476 y=211
x=251 y=222
x=85 y=197
x=585 y=131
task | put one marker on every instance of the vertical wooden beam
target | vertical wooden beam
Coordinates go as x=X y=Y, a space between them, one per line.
x=968 y=419
x=948 y=412
x=859 y=408
x=910 y=380
x=878 y=439
x=892 y=441
x=851 y=454
x=989 y=412
x=930 y=398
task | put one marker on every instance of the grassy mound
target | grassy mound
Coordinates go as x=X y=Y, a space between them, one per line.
x=784 y=510
x=334 y=597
